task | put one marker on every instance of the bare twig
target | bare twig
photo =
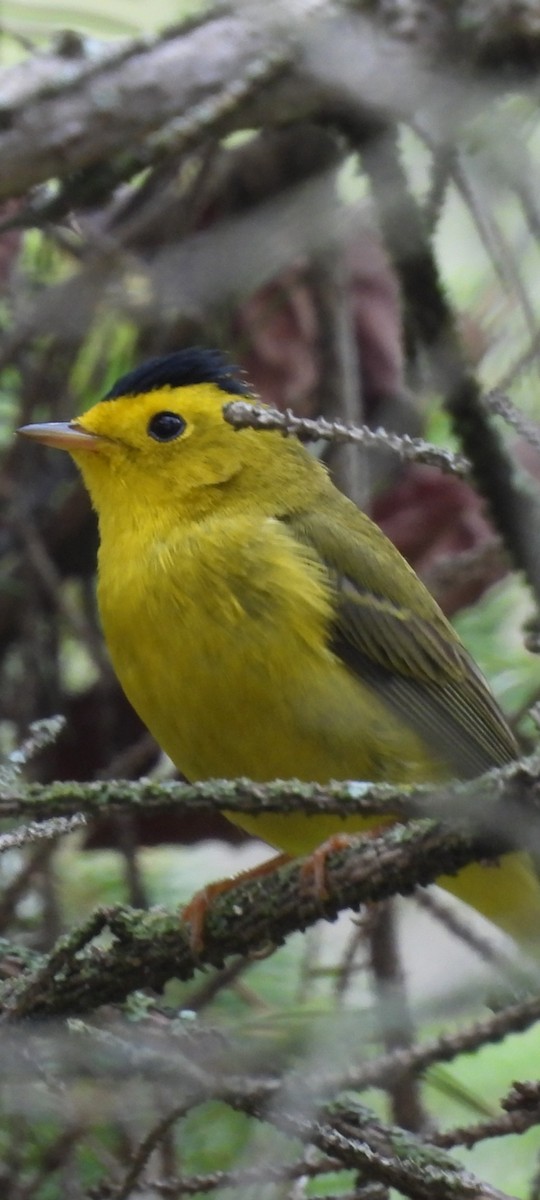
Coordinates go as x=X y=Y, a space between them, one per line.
x=51 y=582
x=348 y=964
x=521 y=1112
x=512 y=1018
x=463 y=928
x=475 y=194
x=145 y=1150
x=17 y=886
x=340 y=386
x=497 y=402
x=242 y=415
x=206 y=991
x=244 y=1177
x=394 y=1014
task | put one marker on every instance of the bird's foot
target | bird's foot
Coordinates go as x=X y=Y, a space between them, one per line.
x=195 y=912
x=313 y=869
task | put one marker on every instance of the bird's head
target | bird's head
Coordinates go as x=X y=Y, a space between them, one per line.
x=159 y=439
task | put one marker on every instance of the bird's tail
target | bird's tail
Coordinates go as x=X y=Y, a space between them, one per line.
x=506 y=891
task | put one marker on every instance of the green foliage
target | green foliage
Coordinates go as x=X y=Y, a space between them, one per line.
x=492 y=631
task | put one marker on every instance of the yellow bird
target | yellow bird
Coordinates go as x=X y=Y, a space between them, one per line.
x=261 y=625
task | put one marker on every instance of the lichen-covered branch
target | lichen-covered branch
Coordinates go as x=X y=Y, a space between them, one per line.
x=502 y=807
x=387 y=1154
x=38 y=831
x=148 y=949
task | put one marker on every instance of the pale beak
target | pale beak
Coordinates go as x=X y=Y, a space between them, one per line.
x=62 y=434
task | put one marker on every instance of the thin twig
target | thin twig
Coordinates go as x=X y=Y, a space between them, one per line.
x=463 y=927
x=521 y=1108
x=243 y=1177
x=394 y=1014
x=515 y=511
x=348 y=963
x=40 y=735
x=513 y=1018
x=498 y=402
x=50 y=579
x=340 y=384
x=13 y=891
x=477 y=197
x=145 y=1150
x=242 y=415
x=37 y=831
x=206 y=991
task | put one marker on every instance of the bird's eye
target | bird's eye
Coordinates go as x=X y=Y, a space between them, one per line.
x=166 y=426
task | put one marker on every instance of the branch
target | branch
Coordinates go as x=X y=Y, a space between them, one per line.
x=353 y=1134
x=386 y=1154
x=386 y=1068
x=521 y=1111
x=38 y=831
x=148 y=949
x=242 y=415
x=380 y=1151
x=392 y=1157
x=56 y=120
x=515 y=511
x=62 y=113
x=501 y=807
x=40 y=735
x=497 y=402
x=195 y=1069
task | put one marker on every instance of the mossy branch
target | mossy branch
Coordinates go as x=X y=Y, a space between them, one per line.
x=502 y=806
x=391 y=1156
x=149 y=948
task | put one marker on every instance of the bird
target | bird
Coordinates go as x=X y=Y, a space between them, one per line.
x=262 y=625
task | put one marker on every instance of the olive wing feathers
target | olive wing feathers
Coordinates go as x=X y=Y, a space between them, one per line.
x=390 y=632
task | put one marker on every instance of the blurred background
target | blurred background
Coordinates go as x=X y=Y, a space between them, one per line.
x=345 y=198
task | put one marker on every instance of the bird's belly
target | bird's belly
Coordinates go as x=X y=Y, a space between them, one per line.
x=251 y=696
x=253 y=690
x=226 y=660
x=231 y=715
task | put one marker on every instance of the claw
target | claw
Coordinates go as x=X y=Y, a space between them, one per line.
x=313 y=870
x=195 y=912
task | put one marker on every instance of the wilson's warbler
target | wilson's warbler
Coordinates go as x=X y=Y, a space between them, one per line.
x=261 y=625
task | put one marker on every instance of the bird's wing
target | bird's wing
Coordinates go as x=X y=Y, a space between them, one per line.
x=390 y=632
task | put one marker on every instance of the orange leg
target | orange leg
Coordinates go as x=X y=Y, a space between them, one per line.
x=313 y=869
x=195 y=912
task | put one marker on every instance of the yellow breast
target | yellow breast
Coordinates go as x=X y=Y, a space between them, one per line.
x=219 y=637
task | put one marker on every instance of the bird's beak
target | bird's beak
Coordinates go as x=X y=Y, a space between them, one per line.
x=62 y=434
